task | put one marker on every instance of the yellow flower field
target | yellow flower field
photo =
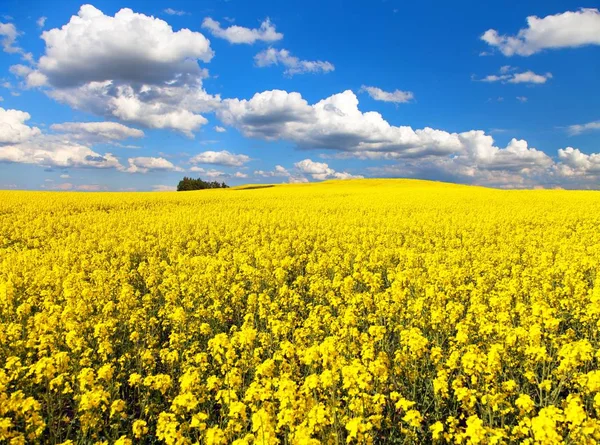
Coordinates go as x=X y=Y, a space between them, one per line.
x=366 y=311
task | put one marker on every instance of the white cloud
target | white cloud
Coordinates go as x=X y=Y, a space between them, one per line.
x=281 y=172
x=172 y=11
x=164 y=107
x=530 y=77
x=581 y=128
x=333 y=123
x=220 y=129
x=396 y=96
x=20 y=143
x=507 y=74
x=238 y=34
x=336 y=123
x=131 y=67
x=322 y=171
x=95 y=132
x=13 y=129
x=220 y=158
x=278 y=171
x=292 y=64
x=144 y=164
x=569 y=29
x=240 y=175
x=164 y=188
x=575 y=163
x=49 y=151
x=31 y=78
x=9 y=34
x=65 y=176
x=41 y=22
x=128 y=47
x=211 y=173
x=522 y=99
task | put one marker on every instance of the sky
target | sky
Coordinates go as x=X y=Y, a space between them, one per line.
x=134 y=96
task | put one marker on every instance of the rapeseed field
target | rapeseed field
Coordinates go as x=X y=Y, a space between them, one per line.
x=345 y=312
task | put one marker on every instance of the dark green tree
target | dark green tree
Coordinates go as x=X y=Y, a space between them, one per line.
x=187 y=184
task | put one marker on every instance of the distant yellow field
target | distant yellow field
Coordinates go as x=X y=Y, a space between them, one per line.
x=366 y=311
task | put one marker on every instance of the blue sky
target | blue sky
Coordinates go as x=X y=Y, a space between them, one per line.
x=95 y=97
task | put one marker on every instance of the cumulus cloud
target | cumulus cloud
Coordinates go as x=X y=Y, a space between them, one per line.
x=41 y=22
x=281 y=172
x=322 y=171
x=238 y=34
x=97 y=132
x=220 y=129
x=507 y=75
x=582 y=128
x=396 y=96
x=211 y=173
x=145 y=164
x=130 y=47
x=13 y=129
x=70 y=146
x=575 y=163
x=54 y=152
x=31 y=77
x=220 y=158
x=240 y=175
x=8 y=35
x=569 y=29
x=332 y=123
x=132 y=67
x=293 y=65
x=336 y=123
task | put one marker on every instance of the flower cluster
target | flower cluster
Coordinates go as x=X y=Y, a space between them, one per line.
x=368 y=311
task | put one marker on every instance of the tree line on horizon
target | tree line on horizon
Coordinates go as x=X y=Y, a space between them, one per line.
x=188 y=184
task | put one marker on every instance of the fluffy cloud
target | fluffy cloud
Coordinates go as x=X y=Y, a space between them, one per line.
x=132 y=67
x=322 y=171
x=581 y=128
x=144 y=164
x=41 y=22
x=238 y=34
x=13 y=128
x=70 y=147
x=336 y=123
x=31 y=77
x=211 y=174
x=220 y=158
x=53 y=152
x=512 y=77
x=163 y=107
x=522 y=99
x=566 y=30
x=220 y=129
x=396 y=96
x=575 y=163
x=333 y=123
x=281 y=172
x=9 y=34
x=95 y=132
x=292 y=64
x=128 y=47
